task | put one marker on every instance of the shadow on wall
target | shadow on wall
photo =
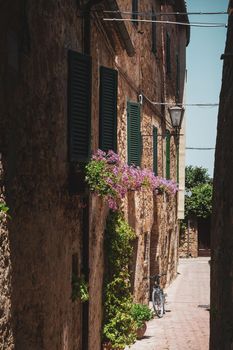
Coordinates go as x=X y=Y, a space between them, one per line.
x=154 y=264
x=132 y=223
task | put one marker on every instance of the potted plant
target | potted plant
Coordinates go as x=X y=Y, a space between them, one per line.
x=141 y=313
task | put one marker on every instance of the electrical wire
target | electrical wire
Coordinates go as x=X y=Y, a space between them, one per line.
x=201 y=148
x=167 y=13
x=181 y=104
x=197 y=24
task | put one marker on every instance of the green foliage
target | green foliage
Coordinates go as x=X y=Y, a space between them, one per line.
x=198 y=182
x=120 y=330
x=3 y=209
x=141 y=313
x=97 y=173
x=195 y=176
x=79 y=288
x=200 y=202
x=119 y=326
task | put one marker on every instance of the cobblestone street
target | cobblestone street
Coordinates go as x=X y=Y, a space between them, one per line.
x=186 y=323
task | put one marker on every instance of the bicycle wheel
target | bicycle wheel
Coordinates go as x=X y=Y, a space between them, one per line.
x=158 y=302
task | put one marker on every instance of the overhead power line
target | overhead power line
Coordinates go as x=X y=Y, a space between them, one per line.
x=181 y=104
x=197 y=24
x=187 y=104
x=166 y=13
x=201 y=148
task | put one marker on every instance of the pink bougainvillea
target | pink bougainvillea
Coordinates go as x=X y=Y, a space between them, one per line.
x=111 y=178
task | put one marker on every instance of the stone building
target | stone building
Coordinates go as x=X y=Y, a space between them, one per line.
x=70 y=84
x=221 y=307
x=195 y=238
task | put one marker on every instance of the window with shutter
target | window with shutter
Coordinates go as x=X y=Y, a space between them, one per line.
x=135 y=11
x=154 y=37
x=168 y=54
x=168 y=146
x=79 y=106
x=155 y=150
x=134 y=134
x=108 y=109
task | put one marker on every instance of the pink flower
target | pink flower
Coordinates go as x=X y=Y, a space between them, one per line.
x=120 y=177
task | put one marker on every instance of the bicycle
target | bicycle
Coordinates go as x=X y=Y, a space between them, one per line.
x=158 y=297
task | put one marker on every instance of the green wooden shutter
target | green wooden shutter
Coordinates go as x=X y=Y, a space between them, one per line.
x=108 y=109
x=135 y=11
x=168 y=54
x=155 y=150
x=154 y=36
x=79 y=106
x=134 y=134
x=168 y=146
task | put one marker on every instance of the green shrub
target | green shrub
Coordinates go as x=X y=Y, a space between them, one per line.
x=119 y=327
x=141 y=313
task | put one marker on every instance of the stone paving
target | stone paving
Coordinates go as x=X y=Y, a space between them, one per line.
x=186 y=324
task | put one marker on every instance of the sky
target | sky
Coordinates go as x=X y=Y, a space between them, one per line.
x=204 y=74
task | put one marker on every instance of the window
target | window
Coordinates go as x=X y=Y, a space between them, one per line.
x=108 y=109
x=168 y=145
x=135 y=11
x=79 y=106
x=168 y=54
x=154 y=38
x=155 y=150
x=134 y=134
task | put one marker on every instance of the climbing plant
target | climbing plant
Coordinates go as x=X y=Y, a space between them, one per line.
x=3 y=209
x=119 y=327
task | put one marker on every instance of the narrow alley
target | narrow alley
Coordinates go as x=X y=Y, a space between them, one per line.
x=185 y=326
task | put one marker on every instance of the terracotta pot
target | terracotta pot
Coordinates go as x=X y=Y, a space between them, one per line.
x=108 y=346
x=141 y=331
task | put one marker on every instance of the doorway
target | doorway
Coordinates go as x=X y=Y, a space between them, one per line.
x=204 y=227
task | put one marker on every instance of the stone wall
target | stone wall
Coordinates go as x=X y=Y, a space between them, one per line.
x=99 y=212
x=188 y=243
x=50 y=229
x=44 y=231
x=164 y=240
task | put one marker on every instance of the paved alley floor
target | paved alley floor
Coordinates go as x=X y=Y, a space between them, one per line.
x=186 y=324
